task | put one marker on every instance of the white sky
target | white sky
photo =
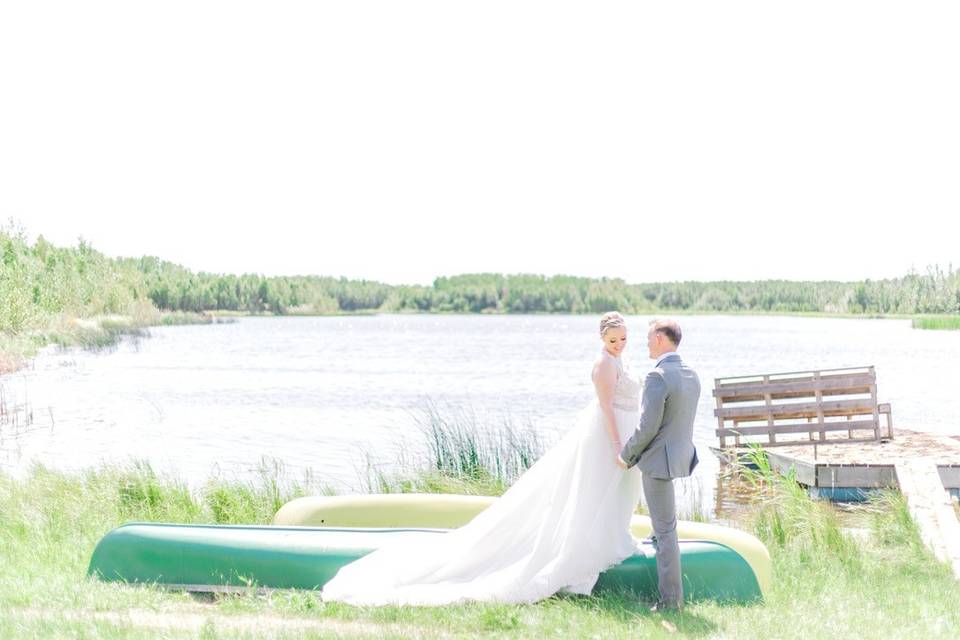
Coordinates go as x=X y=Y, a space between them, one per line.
x=403 y=140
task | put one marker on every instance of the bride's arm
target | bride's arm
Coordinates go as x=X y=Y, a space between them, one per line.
x=605 y=380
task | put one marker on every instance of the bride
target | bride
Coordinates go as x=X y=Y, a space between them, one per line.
x=557 y=528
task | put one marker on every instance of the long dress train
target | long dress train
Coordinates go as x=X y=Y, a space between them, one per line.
x=557 y=528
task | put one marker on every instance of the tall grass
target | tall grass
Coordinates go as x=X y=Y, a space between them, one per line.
x=937 y=322
x=690 y=504
x=786 y=516
x=827 y=584
x=137 y=491
x=461 y=453
x=461 y=445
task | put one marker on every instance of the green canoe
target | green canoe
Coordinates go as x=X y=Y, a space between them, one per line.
x=212 y=558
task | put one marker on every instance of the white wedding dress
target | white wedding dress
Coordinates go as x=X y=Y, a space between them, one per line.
x=557 y=528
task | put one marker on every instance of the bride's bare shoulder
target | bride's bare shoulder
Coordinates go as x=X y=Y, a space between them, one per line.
x=604 y=364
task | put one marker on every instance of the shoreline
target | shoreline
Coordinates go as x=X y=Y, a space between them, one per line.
x=660 y=313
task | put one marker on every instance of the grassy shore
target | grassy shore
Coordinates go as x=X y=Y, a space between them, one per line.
x=828 y=582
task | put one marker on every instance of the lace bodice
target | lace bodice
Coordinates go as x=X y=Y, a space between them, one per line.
x=626 y=395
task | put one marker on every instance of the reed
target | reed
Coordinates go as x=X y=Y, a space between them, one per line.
x=461 y=445
x=256 y=499
x=786 y=516
x=143 y=493
x=459 y=452
x=690 y=500
x=937 y=322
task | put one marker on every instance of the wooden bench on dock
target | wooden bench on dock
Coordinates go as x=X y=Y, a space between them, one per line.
x=832 y=406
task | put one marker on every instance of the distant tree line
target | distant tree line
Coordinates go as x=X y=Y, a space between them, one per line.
x=40 y=280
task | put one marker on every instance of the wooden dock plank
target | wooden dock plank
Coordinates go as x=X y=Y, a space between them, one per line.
x=800 y=427
x=805 y=388
x=857 y=406
x=806 y=472
x=931 y=508
x=940 y=449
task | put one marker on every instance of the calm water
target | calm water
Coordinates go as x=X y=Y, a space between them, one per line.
x=325 y=393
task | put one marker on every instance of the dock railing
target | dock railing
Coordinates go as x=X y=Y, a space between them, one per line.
x=829 y=406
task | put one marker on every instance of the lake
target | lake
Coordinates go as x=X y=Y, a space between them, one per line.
x=327 y=394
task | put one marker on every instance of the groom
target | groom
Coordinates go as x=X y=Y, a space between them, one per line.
x=662 y=447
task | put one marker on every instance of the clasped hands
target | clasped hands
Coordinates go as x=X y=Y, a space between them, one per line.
x=619 y=461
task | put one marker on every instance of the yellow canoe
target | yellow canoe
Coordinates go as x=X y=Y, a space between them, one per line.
x=449 y=511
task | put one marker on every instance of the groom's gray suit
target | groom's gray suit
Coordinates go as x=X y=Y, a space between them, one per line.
x=662 y=448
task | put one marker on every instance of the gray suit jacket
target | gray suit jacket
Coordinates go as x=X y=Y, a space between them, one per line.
x=662 y=445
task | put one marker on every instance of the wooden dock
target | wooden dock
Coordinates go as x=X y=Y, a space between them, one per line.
x=925 y=467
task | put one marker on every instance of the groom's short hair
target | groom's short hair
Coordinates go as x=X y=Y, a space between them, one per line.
x=669 y=328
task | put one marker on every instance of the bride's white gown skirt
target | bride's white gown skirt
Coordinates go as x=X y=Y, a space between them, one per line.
x=557 y=528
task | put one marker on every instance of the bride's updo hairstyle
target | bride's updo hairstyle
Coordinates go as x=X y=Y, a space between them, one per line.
x=611 y=320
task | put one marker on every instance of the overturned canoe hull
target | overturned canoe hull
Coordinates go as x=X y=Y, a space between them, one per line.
x=211 y=558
